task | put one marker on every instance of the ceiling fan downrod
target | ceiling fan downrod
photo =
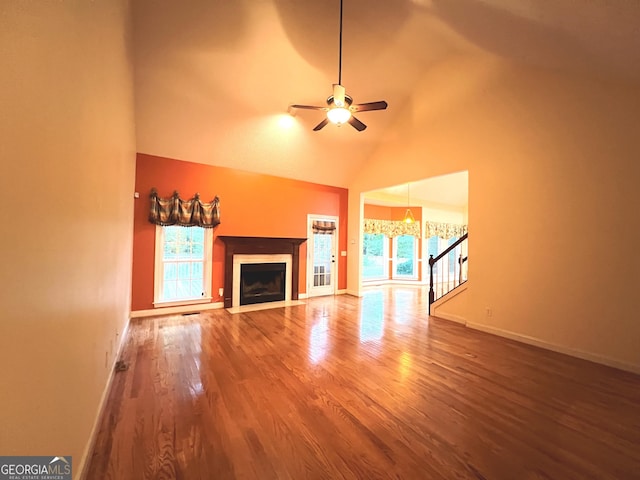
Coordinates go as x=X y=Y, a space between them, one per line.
x=340 y=106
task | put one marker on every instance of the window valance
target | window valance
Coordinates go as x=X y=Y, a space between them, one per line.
x=391 y=228
x=186 y=213
x=326 y=227
x=444 y=230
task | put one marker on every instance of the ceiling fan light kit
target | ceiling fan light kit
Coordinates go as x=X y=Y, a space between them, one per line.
x=338 y=115
x=340 y=107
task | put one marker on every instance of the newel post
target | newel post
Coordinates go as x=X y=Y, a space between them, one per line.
x=431 y=292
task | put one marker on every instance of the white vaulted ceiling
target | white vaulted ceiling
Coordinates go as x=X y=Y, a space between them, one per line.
x=450 y=190
x=214 y=78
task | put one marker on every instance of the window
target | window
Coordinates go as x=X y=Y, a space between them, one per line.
x=452 y=255
x=435 y=246
x=375 y=256
x=404 y=257
x=182 y=265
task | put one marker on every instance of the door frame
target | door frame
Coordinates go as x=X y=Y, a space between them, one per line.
x=334 y=276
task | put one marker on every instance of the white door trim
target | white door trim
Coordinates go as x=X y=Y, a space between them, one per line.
x=334 y=277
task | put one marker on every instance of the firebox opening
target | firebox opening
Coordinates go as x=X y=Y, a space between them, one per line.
x=262 y=282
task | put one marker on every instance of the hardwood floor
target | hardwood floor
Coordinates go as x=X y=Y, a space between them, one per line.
x=359 y=388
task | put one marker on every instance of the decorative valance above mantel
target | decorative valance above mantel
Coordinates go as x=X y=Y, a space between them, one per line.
x=185 y=213
x=391 y=228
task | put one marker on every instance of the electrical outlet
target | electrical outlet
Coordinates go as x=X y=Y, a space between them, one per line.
x=220 y=291
x=489 y=311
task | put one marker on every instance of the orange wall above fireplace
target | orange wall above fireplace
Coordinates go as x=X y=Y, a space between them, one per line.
x=250 y=205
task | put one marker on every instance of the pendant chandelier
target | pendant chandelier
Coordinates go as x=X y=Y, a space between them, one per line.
x=408 y=216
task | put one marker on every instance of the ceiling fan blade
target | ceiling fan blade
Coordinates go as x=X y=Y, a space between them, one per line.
x=357 y=124
x=309 y=107
x=364 y=107
x=321 y=125
x=339 y=93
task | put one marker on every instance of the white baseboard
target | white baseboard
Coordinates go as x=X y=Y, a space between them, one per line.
x=302 y=296
x=354 y=293
x=592 y=357
x=450 y=317
x=101 y=406
x=154 y=312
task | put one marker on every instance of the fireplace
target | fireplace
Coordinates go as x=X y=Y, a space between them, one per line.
x=262 y=282
x=242 y=251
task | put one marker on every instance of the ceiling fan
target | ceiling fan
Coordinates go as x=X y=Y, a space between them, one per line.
x=340 y=106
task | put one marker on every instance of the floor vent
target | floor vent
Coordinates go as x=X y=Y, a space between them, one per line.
x=121 y=366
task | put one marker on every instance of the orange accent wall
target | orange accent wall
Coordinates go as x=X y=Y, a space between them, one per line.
x=380 y=212
x=397 y=213
x=251 y=204
x=377 y=212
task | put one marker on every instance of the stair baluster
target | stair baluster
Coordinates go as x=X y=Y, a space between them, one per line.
x=437 y=264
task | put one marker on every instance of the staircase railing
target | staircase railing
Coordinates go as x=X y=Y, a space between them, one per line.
x=449 y=269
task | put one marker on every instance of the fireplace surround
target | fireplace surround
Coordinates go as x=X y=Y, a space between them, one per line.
x=259 y=246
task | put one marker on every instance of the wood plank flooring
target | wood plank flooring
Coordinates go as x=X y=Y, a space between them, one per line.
x=359 y=388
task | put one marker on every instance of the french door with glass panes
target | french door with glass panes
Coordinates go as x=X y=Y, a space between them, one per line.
x=405 y=255
x=322 y=244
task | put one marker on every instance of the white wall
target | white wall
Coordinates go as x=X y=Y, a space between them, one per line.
x=67 y=158
x=553 y=171
x=443 y=214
